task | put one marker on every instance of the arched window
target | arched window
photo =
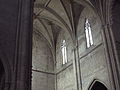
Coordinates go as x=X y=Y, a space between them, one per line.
x=64 y=52
x=88 y=34
x=98 y=86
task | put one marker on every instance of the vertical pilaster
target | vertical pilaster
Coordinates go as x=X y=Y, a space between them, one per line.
x=24 y=46
x=76 y=65
x=112 y=58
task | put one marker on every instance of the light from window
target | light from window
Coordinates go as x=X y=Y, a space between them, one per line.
x=88 y=33
x=64 y=52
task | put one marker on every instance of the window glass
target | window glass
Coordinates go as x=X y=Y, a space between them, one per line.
x=64 y=52
x=88 y=34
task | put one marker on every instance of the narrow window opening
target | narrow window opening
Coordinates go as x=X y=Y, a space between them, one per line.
x=88 y=34
x=64 y=52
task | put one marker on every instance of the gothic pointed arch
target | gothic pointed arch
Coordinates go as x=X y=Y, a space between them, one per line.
x=97 y=85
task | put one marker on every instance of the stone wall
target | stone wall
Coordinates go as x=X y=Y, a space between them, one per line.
x=64 y=35
x=92 y=60
x=43 y=77
x=66 y=79
x=65 y=73
x=15 y=43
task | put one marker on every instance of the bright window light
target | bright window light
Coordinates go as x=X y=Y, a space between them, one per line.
x=88 y=33
x=64 y=52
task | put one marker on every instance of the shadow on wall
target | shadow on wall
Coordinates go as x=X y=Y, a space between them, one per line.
x=2 y=76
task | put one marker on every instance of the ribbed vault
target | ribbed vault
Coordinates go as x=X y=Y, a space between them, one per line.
x=52 y=16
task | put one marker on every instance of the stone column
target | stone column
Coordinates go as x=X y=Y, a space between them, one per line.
x=112 y=57
x=24 y=46
x=77 y=69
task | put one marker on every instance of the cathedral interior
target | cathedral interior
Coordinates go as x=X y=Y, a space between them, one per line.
x=60 y=45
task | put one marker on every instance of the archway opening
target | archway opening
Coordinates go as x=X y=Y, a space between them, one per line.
x=98 y=86
x=2 y=76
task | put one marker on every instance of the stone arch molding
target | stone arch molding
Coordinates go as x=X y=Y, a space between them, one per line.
x=7 y=70
x=95 y=81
